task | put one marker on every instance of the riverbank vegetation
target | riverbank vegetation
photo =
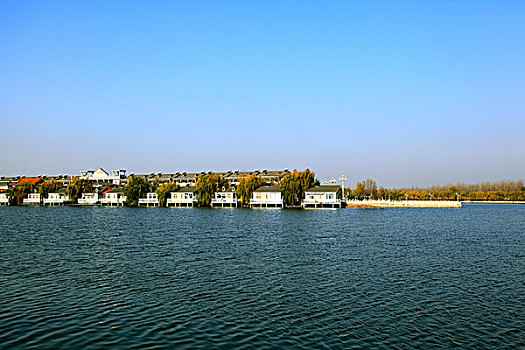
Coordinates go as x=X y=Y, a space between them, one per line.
x=293 y=186
x=18 y=193
x=487 y=191
x=164 y=190
x=78 y=187
x=246 y=187
x=137 y=187
x=207 y=185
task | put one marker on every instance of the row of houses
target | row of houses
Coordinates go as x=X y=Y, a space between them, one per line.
x=324 y=196
x=119 y=177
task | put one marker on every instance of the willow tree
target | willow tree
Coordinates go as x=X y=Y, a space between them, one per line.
x=49 y=187
x=246 y=187
x=207 y=185
x=294 y=185
x=137 y=187
x=164 y=191
x=19 y=192
x=78 y=187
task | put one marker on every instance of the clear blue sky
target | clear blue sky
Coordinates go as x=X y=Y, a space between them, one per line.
x=408 y=93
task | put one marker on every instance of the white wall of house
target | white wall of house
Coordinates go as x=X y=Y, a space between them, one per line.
x=182 y=198
x=33 y=198
x=113 y=198
x=266 y=197
x=321 y=197
x=88 y=199
x=56 y=198
x=151 y=199
x=4 y=198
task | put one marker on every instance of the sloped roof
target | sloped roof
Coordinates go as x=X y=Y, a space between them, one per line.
x=273 y=188
x=113 y=190
x=187 y=189
x=324 y=188
x=29 y=180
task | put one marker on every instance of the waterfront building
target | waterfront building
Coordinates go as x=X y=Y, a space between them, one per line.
x=324 y=196
x=150 y=200
x=113 y=197
x=4 y=198
x=59 y=197
x=33 y=199
x=187 y=179
x=88 y=199
x=117 y=177
x=269 y=176
x=184 y=197
x=227 y=197
x=4 y=185
x=267 y=197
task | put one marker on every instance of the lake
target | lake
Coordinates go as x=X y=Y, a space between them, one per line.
x=236 y=278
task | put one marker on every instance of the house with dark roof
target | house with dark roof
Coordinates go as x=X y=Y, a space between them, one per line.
x=184 y=197
x=323 y=196
x=188 y=179
x=225 y=198
x=267 y=197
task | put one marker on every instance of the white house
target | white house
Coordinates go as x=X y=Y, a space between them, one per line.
x=88 y=199
x=184 y=197
x=113 y=197
x=4 y=198
x=59 y=197
x=267 y=197
x=226 y=197
x=150 y=200
x=100 y=175
x=33 y=199
x=324 y=196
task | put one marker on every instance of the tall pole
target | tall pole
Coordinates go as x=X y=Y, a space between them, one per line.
x=343 y=179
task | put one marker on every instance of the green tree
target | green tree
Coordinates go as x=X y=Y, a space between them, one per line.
x=78 y=187
x=49 y=187
x=359 y=191
x=207 y=185
x=137 y=187
x=164 y=190
x=19 y=192
x=294 y=185
x=246 y=187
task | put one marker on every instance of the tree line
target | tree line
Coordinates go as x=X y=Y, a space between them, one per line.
x=293 y=186
x=486 y=191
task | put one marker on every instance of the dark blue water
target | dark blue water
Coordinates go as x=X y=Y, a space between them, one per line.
x=230 y=278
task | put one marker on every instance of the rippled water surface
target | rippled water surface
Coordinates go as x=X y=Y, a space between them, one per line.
x=231 y=278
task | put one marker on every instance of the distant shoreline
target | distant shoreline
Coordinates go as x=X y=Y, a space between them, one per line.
x=494 y=202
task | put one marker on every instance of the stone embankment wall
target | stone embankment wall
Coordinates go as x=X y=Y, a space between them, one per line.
x=403 y=204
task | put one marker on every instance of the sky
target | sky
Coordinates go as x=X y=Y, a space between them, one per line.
x=404 y=92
